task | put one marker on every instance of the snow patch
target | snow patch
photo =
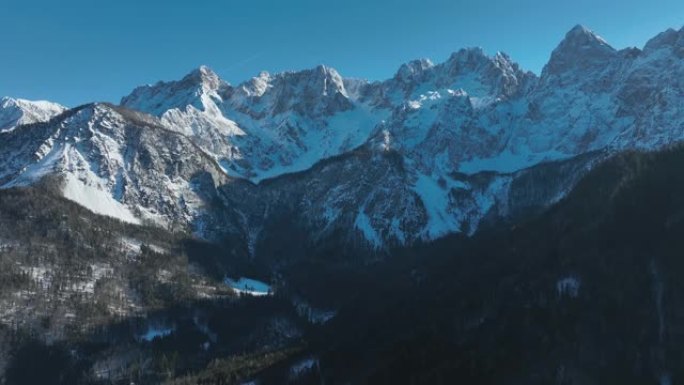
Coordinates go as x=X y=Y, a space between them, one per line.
x=249 y=286
x=363 y=223
x=154 y=332
x=96 y=199
x=436 y=201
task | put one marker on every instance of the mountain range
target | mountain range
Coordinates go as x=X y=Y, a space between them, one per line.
x=437 y=149
x=463 y=220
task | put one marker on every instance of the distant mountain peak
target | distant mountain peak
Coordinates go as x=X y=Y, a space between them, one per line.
x=668 y=38
x=191 y=90
x=319 y=81
x=581 y=37
x=580 y=30
x=205 y=77
x=15 y=112
x=468 y=53
x=323 y=71
x=580 y=49
x=476 y=59
x=410 y=70
x=202 y=72
x=257 y=85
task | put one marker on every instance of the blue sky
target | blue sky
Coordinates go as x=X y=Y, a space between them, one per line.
x=76 y=51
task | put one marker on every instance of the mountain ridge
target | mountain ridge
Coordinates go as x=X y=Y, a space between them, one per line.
x=429 y=134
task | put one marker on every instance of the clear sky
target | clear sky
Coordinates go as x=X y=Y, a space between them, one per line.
x=76 y=51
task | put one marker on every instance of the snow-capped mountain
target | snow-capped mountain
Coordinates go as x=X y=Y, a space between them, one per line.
x=436 y=149
x=267 y=126
x=115 y=162
x=16 y=112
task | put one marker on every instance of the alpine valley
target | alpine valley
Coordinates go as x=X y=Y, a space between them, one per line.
x=461 y=222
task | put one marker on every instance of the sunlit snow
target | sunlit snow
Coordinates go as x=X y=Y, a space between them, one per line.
x=249 y=286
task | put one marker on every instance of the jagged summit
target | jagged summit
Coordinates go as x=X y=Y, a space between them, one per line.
x=314 y=91
x=194 y=89
x=412 y=69
x=205 y=77
x=580 y=32
x=323 y=79
x=257 y=85
x=671 y=38
x=581 y=49
x=470 y=54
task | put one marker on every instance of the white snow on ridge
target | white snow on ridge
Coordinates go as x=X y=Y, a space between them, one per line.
x=16 y=112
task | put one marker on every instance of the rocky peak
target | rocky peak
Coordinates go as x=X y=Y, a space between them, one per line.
x=308 y=92
x=324 y=79
x=320 y=80
x=413 y=69
x=581 y=49
x=15 y=112
x=206 y=78
x=198 y=88
x=257 y=85
x=484 y=76
x=668 y=39
x=469 y=57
